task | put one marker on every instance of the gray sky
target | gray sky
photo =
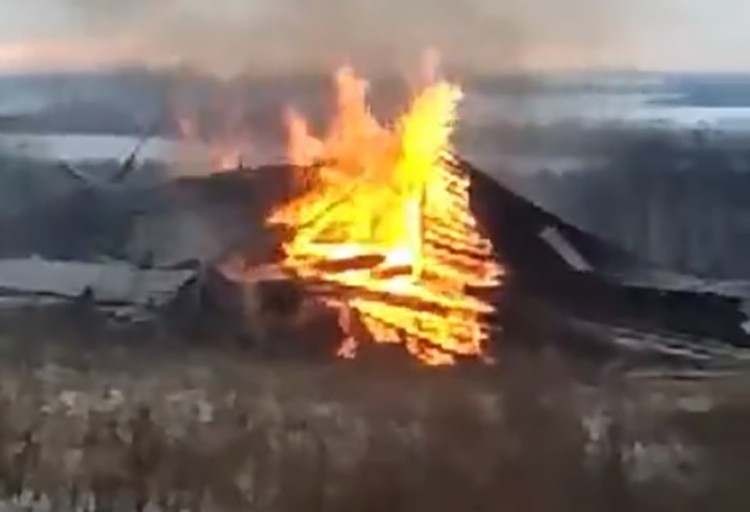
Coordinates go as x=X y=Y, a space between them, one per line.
x=281 y=35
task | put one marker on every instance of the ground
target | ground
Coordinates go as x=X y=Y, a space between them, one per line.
x=124 y=426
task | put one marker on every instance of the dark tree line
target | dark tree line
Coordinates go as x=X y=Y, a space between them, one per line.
x=684 y=205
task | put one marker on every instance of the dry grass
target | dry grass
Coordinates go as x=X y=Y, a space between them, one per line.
x=124 y=429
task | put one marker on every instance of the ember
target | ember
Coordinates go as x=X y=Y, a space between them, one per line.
x=381 y=222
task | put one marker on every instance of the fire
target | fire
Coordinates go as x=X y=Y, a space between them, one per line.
x=382 y=222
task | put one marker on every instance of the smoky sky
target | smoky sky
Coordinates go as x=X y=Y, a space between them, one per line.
x=268 y=36
x=283 y=35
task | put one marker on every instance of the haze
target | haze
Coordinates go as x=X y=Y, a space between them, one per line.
x=263 y=36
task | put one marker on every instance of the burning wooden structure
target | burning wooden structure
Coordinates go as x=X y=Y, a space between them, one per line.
x=377 y=234
x=560 y=287
x=416 y=247
x=381 y=225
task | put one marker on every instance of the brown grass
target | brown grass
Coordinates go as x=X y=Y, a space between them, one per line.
x=201 y=430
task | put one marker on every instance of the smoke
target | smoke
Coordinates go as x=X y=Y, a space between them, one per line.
x=281 y=36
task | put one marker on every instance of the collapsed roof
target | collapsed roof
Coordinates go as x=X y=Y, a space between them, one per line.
x=582 y=278
x=557 y=275
x=118 y=287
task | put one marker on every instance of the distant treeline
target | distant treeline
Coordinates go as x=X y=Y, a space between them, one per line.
x=685 y=205
x=717 y=90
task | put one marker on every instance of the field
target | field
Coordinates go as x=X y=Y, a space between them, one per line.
x=126 y=427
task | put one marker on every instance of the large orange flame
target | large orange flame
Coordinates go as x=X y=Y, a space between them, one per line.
x=383 y=222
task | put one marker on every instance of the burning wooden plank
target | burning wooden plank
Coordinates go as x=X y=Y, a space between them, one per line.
x=358 y=262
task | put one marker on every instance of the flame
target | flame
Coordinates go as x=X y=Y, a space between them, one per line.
x=382 y=221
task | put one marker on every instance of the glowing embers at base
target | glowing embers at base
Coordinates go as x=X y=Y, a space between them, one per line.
x=381 y=225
